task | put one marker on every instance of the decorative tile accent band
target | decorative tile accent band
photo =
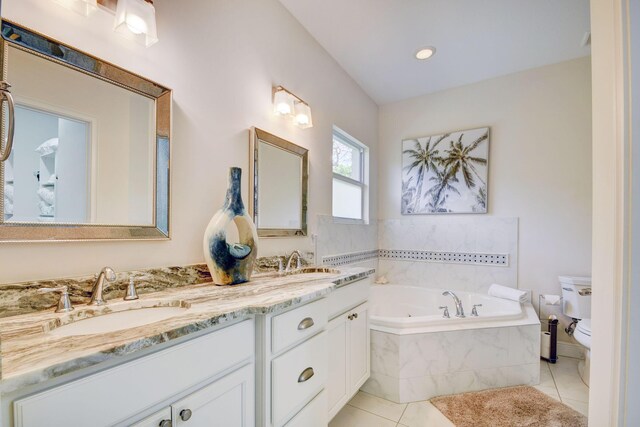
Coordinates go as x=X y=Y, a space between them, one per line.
x=501 y=260
x=350 y=258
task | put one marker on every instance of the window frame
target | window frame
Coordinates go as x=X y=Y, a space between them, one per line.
x=350 y=141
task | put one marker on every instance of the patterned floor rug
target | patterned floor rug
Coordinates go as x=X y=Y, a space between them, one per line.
x=508 y=407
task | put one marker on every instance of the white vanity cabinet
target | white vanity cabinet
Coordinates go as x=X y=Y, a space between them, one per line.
x=349 y=344
x=292 y=374
x=211 y=376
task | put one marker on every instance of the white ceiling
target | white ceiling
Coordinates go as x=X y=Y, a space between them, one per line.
x=375 y=40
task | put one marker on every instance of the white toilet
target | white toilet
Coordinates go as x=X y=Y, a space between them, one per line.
x=576 y=296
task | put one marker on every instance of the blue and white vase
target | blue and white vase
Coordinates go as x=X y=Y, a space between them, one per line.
x=230 y=264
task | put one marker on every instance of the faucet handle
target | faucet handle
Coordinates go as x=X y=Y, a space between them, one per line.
x=445 y=314
x=474 y=310
x=64 y=303
x=132 y=293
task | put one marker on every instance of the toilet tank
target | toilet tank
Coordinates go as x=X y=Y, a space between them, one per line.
x=573 y=304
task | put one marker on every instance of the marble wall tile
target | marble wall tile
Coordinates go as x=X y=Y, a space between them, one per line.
x=334 y=238
x=452 y=234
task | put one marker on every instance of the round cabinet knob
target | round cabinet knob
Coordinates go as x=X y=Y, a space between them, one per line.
x=165 y=423
x=185 y=414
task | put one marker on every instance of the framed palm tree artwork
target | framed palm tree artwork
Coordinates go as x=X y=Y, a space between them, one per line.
x=446 y=173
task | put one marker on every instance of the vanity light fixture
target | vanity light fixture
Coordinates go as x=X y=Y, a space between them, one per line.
x=137 y=19
x=425 y=53
x=303 y=115
x=83 y=7
x=285 y=103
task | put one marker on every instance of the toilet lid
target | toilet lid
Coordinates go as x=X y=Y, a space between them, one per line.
x=584 y=326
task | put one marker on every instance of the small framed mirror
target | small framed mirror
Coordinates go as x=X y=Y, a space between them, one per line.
x=279 y=185
x=90 y=149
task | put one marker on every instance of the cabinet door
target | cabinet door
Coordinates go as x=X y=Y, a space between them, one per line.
x=156 y=420
x=338 y=376
x=228 y=402
x=359 y=348
x=312 y=415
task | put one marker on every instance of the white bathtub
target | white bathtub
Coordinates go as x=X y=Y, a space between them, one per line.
x=417 y=354
x=404 y=309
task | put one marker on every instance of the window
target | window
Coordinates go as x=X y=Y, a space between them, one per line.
x=350 y=192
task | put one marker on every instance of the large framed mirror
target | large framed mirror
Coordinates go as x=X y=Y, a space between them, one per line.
x=89 y=154
x=279 y=185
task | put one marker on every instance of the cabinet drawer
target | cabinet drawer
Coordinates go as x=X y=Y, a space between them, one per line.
x=118 y=394
x=297 y=376
x=312 y=415
x=297 y=325
x=348 y=296
x=156 y=419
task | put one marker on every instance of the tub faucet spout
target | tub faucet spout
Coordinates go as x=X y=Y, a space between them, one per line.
x=456 y=300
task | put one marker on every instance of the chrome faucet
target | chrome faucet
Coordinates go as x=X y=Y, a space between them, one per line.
x=99 y=285
x=298 y=256
x=456 y=300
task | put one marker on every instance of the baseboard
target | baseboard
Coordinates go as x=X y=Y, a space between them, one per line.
x=568 y=349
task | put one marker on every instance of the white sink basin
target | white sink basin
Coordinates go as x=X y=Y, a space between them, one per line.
x=117 y=321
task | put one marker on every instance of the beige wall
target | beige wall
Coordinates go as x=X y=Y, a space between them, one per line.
x=540 y=160
x=221 y=58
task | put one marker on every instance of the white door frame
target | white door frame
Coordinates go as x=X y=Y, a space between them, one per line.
x=612 y=391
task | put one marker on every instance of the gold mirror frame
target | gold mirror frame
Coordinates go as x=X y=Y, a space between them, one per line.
x=257 y=135
x=47 y=48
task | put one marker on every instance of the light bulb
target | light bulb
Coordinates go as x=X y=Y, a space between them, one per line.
x=283 y=103
x=135 y=24
x=283 y=109
x=303 y=115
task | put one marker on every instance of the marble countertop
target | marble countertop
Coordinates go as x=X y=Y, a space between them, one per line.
x=29 y=355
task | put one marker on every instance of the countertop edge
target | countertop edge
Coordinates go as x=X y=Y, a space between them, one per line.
x=41 y=375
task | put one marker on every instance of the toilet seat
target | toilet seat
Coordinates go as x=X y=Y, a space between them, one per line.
x=582 y=333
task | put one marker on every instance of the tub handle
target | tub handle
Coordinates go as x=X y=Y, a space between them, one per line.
x=474 y=310
x=445 y=314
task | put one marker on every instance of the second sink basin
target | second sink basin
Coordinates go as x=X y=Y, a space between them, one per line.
x=116 y=321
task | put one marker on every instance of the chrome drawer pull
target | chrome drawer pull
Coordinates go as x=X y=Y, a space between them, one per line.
x=305 y=375
x=584 y=292
x=165 y=423
x=185 y=414
x=306 y=323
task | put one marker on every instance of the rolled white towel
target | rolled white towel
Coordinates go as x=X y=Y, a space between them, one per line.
x=47 y=195
x=47 y=147
x=551 y=299
x=500 y=291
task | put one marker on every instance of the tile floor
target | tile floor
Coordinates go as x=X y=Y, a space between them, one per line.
x=560 y=381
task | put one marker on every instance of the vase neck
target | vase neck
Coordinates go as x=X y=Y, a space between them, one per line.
x=233 y=200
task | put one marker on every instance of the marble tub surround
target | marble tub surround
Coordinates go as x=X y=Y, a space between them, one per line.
x=412 y=367
x=459 y=234
x=28 y=355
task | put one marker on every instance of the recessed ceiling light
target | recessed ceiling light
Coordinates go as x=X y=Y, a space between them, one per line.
x=425 y=52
